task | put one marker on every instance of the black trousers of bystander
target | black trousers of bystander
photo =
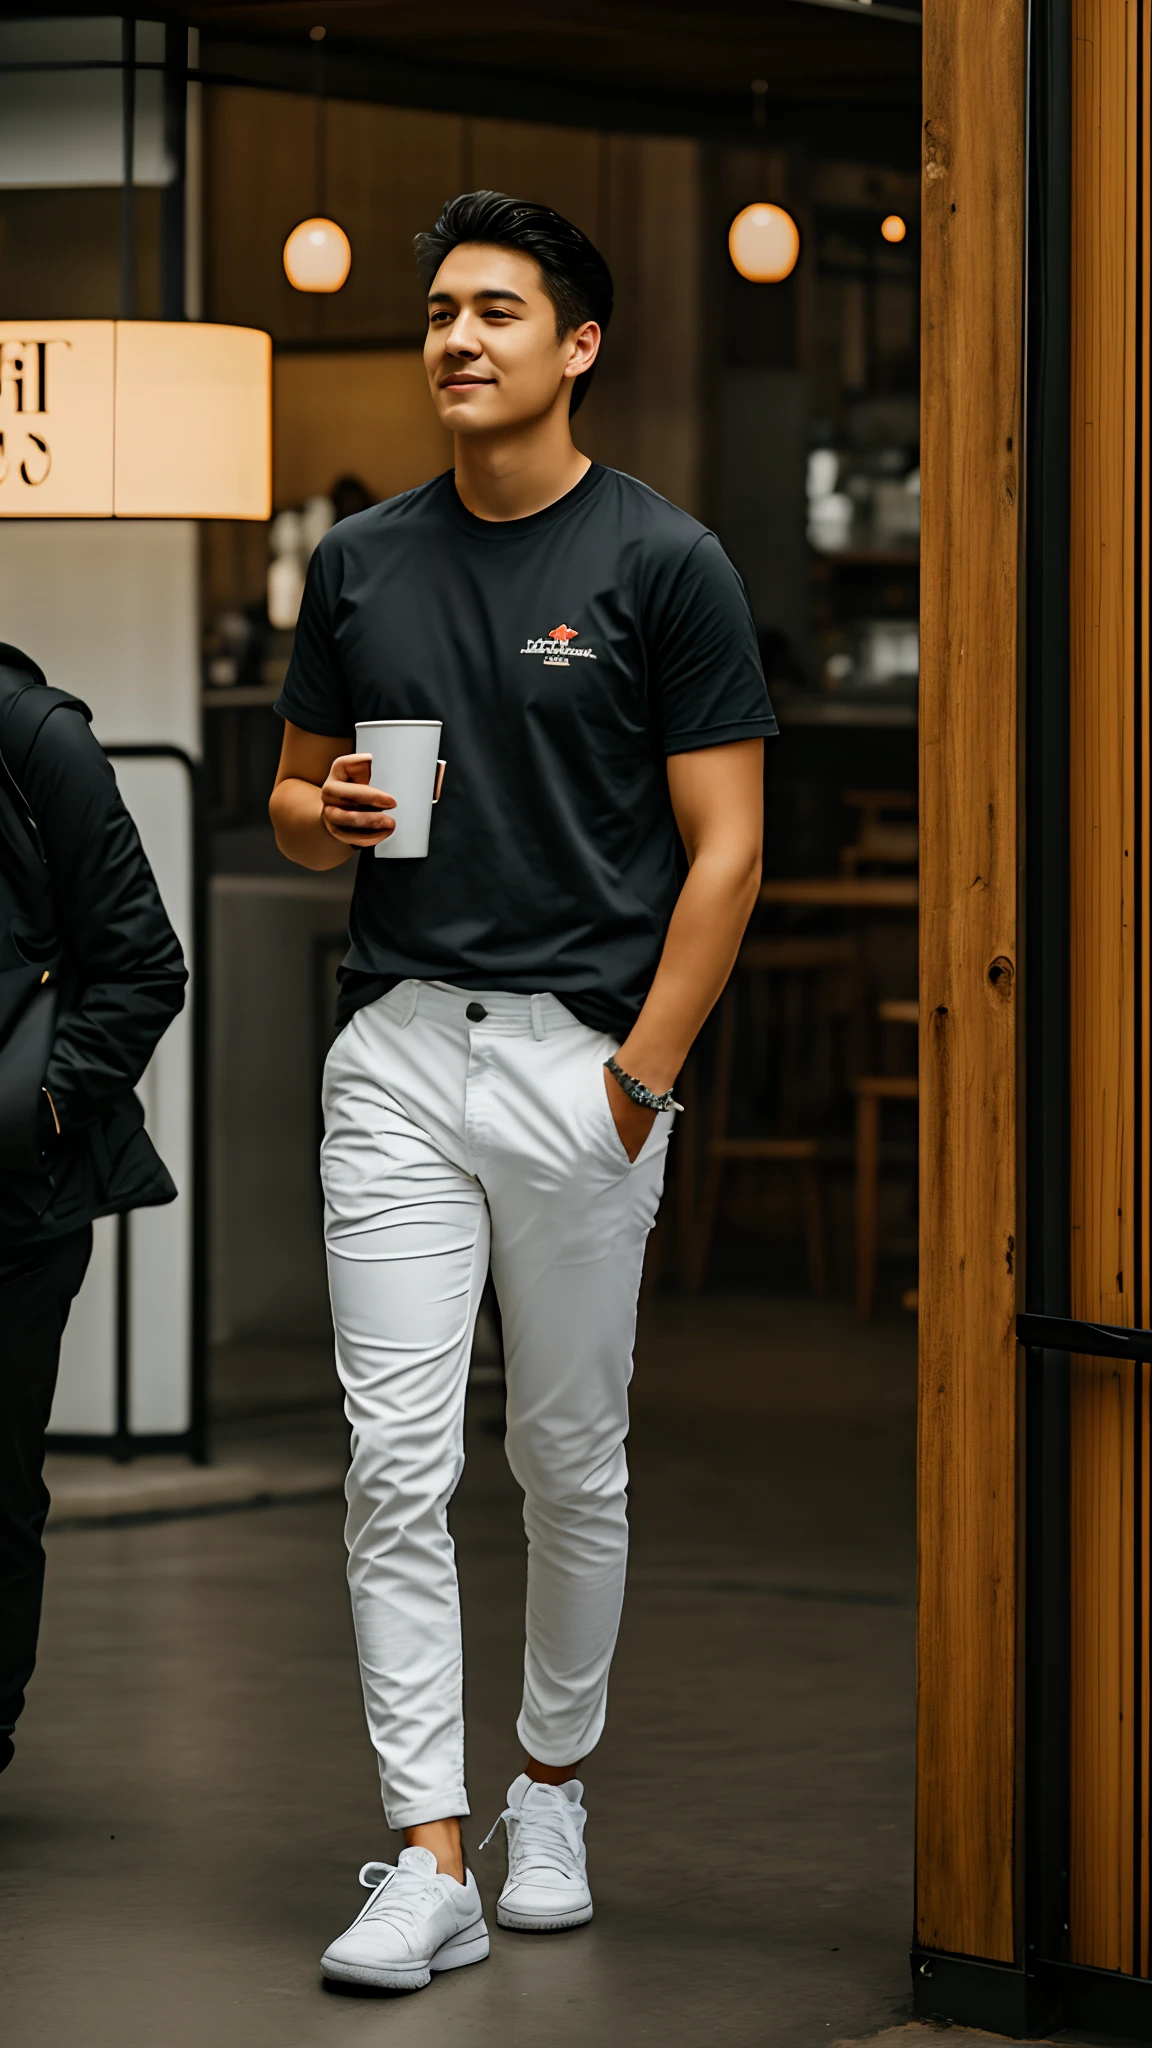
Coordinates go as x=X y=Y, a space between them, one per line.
x=37 y=1289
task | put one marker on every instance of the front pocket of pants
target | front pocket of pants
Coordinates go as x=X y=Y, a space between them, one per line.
x=610 y=1143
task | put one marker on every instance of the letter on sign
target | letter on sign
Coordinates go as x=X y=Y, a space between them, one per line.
x=56 y=419
x=134 y=419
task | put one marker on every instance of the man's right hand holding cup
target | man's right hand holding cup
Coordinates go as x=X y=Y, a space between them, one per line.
x=353 y=812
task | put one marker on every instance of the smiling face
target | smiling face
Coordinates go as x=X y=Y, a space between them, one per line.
x=492 y=354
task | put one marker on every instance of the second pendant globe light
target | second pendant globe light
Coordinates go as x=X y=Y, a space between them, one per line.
x=317 y=256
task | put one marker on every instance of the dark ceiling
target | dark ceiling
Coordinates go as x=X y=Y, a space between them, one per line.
x=836 y=71
x=842 y=77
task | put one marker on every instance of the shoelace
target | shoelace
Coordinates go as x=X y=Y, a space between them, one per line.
x=399 y=1894
x=545 y=1838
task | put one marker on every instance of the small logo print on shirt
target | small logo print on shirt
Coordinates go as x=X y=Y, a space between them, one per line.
x=556 y=646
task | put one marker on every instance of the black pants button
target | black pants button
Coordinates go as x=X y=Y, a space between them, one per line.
x=475 y=1013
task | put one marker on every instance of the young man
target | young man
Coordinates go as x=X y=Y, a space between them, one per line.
x=516 y=1009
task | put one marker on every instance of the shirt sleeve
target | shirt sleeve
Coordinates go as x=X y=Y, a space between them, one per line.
x=315 y=696
x=704 y=664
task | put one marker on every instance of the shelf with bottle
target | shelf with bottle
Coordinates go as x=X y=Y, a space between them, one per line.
x=862 y=553
x=245 y=659
x=863 y=709
x=864 y=505
x=244 y=697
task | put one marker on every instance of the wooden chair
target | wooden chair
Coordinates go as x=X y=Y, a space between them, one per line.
x=759 y=959
x=889 y=842
x=871 y=1091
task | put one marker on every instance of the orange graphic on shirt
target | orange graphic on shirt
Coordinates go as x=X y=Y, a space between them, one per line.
x=563 y=634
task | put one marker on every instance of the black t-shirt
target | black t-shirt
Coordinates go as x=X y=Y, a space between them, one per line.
x=566 y=654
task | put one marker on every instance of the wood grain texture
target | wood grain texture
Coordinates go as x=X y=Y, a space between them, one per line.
x=1142 y=1226
x=971 y=340
x=364 y=412
x=259 y=181
x=561 y=167
x=1142 y=992
x=387 y=171
x=846 y=892
x=1106 y=466
x=645 y=414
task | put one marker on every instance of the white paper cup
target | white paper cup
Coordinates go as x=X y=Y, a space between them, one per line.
x=406 y=766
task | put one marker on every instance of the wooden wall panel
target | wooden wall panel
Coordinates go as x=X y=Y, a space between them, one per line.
x=560 y=167
x=1108 y=570
x=387 y=173
x=670 y=284
x=259 y=180
x=366 y=413
x=388 y=170
x=1142 y=1218
x=971 y=339
x=621 y=230
x=1103 y=1717
x=1142 y=1207
x=646 y=412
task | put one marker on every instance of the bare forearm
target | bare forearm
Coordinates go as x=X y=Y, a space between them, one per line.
x=703 y=939
x=295 y=808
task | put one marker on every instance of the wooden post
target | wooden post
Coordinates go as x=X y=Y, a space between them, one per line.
x=971 y=353
x=1108 y=1015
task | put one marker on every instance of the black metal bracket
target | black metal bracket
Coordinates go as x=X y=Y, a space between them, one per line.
x=1026 y=2004
x=1091 y=1340
x=965 y=1992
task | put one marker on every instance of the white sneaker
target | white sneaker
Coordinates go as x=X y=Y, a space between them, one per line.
x=416 y=1921
x=547 y=1883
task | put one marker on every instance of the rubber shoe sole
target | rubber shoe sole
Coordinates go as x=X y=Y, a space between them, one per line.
x=525 y=1923
x=471 y=1945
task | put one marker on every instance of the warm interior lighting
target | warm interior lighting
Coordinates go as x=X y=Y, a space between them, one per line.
x=193 y=421
x=893 y=229
x=138 y=419
x=317 y=256
x=764 y=243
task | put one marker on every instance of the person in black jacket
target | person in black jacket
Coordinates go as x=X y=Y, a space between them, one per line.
x=76 y=892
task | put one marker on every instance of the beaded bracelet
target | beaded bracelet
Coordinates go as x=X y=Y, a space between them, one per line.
x=638 y=1093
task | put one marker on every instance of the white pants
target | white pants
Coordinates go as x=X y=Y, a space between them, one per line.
x=447 y=1139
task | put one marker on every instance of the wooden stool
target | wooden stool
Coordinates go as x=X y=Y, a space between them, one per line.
x=763 y=957
x=889 y=841
x=871 y=1091
x=801 y=1152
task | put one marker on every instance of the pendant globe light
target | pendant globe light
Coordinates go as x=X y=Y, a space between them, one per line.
x=764 y=243
x=318 y=254
x=763 y=240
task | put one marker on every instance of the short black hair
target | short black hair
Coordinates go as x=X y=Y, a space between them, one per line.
x=574 y=273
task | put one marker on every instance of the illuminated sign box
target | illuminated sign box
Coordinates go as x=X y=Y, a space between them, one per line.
x=134 y=419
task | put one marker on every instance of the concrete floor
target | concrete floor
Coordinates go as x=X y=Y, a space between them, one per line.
x=193 y=1791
